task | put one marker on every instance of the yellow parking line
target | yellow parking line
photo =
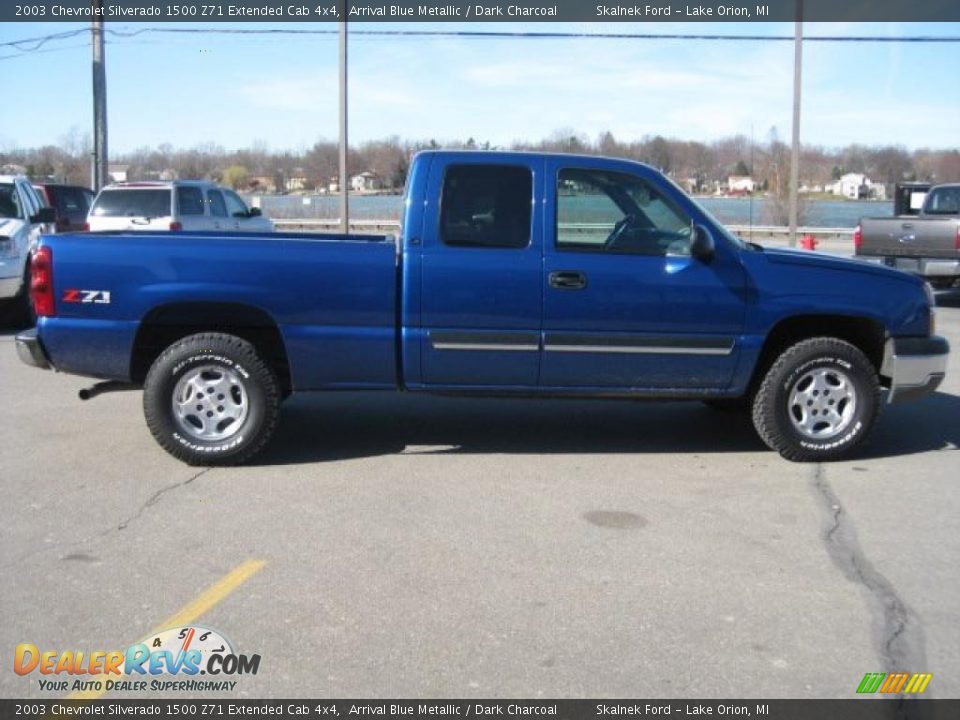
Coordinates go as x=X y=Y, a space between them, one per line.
x=194 y=609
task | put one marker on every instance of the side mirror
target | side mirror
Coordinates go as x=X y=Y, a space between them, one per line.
x=702 y=246
x=254 y=212
x=44 y=216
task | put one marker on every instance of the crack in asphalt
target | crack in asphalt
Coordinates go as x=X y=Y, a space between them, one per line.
x=151 y=501
x=899 y=637
x=155 y=498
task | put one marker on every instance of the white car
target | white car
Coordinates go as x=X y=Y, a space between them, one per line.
x=23 y=216
x=175 y=205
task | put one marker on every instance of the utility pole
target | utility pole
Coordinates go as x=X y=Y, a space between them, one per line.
x=100 y=176
x=795 y=150
x=344 y=196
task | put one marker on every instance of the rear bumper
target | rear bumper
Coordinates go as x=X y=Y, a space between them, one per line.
x=927 y=267
x=31 y=350
x=915 y=366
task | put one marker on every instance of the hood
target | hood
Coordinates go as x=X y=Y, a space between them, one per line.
x=832 y=262
x=10 y=226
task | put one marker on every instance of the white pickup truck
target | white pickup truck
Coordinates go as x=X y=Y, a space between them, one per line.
x=23 y=217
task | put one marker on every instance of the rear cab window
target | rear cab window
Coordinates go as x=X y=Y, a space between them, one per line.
x=128 y=202
x=944 y=201
x=486 y=206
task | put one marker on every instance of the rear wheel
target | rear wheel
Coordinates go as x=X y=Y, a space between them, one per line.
x=210 y=399
x=818 y=401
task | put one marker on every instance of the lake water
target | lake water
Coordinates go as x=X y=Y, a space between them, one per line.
x=732 y=211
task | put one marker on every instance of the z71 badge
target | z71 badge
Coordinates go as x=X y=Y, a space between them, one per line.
x=100 y=297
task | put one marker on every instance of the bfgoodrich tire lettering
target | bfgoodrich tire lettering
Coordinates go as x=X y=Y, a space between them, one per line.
x=818 y=401
x=209 y=399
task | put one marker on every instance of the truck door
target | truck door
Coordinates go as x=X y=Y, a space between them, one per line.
x=625 y=304
x=481 y=264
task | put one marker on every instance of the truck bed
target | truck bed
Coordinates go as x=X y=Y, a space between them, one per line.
x=333 y=297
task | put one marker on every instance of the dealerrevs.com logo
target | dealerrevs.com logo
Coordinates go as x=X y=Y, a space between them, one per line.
x=172 y=660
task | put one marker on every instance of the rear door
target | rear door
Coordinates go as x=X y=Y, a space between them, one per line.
x=626 y=306
x=191 y=209
x=219 y=218
x=481 y=295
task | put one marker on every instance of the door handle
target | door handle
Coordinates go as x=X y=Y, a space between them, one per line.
x=568 y=280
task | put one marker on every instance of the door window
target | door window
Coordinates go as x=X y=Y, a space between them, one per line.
x=190 y=200
x=486 y=206
x=235 y=206
x=217 y=206
x=601 y=211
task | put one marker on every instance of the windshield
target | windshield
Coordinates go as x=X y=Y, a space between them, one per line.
x=716 y=223
x=132 y=203
x=9 y=204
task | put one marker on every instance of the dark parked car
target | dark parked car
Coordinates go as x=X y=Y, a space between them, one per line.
x=72 y=203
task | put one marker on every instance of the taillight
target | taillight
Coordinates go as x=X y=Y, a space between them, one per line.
x=956 y=240
x=176 y=226
x=857 y=237
x=86 y=227
x=41 y=282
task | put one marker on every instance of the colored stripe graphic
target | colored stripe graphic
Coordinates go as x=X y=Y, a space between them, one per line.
x=871 y=682
x=894 y=683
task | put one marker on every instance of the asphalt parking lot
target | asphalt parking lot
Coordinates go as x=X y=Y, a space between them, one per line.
x=400 y=546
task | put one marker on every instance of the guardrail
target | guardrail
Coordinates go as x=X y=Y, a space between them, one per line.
x=771 y=231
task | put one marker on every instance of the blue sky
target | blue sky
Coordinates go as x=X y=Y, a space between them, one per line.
x=281 y=90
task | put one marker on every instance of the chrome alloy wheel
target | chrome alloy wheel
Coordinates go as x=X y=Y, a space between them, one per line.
x=210 y=403
x=822 y=403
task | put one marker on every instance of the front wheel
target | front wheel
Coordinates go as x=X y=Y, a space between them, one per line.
x=209 y=399
x=818 y=401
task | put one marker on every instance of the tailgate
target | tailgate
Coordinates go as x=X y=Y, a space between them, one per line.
x=909 y=237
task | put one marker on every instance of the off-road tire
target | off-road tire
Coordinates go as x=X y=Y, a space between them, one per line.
x=772 y=403
x=259 y=389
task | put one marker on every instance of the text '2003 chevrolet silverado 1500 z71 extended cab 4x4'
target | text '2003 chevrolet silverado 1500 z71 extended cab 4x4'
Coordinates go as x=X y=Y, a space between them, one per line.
x=527 y=274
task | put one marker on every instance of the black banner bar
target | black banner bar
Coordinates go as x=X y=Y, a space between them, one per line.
x=138 y=11
x=187 y=709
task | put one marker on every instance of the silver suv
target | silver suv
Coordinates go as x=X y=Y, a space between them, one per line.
x=174 y=205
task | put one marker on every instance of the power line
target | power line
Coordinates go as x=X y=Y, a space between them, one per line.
x=482 y=34
x=38 y=42
x=29 y=46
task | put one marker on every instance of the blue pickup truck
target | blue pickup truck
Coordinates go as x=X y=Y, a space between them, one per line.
x=514 y=274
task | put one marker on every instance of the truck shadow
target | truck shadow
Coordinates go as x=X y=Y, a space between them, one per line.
x=330 y=427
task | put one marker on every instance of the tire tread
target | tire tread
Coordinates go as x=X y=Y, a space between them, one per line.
x=245 y=353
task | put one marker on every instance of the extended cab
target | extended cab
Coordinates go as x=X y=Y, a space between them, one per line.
x=926 y=243
x=515 y=274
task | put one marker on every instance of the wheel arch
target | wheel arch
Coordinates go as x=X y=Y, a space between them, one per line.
x=165 y=324
x=865 y=333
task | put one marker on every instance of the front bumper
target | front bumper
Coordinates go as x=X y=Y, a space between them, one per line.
x=915 y=366
x=31 y=350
